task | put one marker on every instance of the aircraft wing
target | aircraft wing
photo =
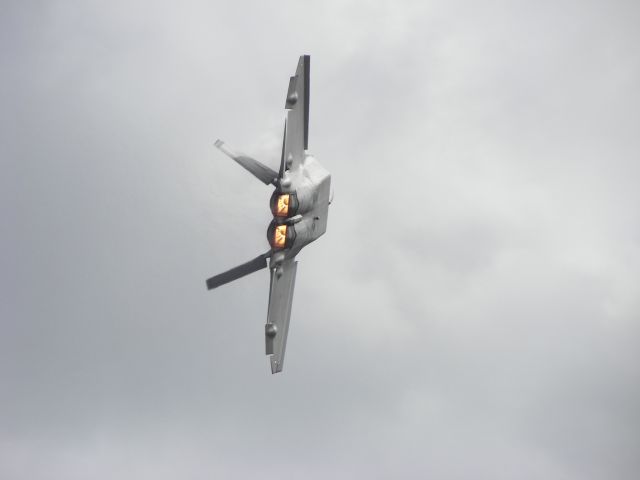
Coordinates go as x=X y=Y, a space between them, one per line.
x=283 y=280
x=297 y=124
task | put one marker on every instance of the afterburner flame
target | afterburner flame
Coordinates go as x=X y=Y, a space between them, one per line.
x=280 y=236
x=282 y=209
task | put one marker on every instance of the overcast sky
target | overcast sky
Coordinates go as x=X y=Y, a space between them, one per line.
x=472 y=312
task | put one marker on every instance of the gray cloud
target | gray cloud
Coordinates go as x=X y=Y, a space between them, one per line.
x=473 y=309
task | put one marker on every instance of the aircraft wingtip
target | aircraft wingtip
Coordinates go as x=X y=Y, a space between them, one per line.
x=276 y=367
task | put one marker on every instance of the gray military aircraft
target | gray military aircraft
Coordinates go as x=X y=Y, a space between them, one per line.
x=299 y=204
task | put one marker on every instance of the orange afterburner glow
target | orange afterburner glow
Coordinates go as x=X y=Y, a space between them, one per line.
x=282 y=209
x=280 y=236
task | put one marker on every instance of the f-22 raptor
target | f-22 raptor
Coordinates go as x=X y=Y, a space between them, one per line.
x=299 y=204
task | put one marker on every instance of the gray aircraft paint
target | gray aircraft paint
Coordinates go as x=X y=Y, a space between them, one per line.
x=300 y=174
x=472 y=310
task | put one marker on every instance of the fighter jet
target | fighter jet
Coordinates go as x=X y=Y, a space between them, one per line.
x=299 y=204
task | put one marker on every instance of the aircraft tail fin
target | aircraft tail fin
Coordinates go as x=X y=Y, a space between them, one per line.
x=263 y=173
x=240 y=271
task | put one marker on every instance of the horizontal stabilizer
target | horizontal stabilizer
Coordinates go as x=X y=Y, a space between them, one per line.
x=240 y=271
x=307 y=76
x=283 y=165
x=263 y=173
x=283 y=279
x=297 y=106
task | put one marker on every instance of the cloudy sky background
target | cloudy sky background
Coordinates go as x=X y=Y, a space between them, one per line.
x=472 y=312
